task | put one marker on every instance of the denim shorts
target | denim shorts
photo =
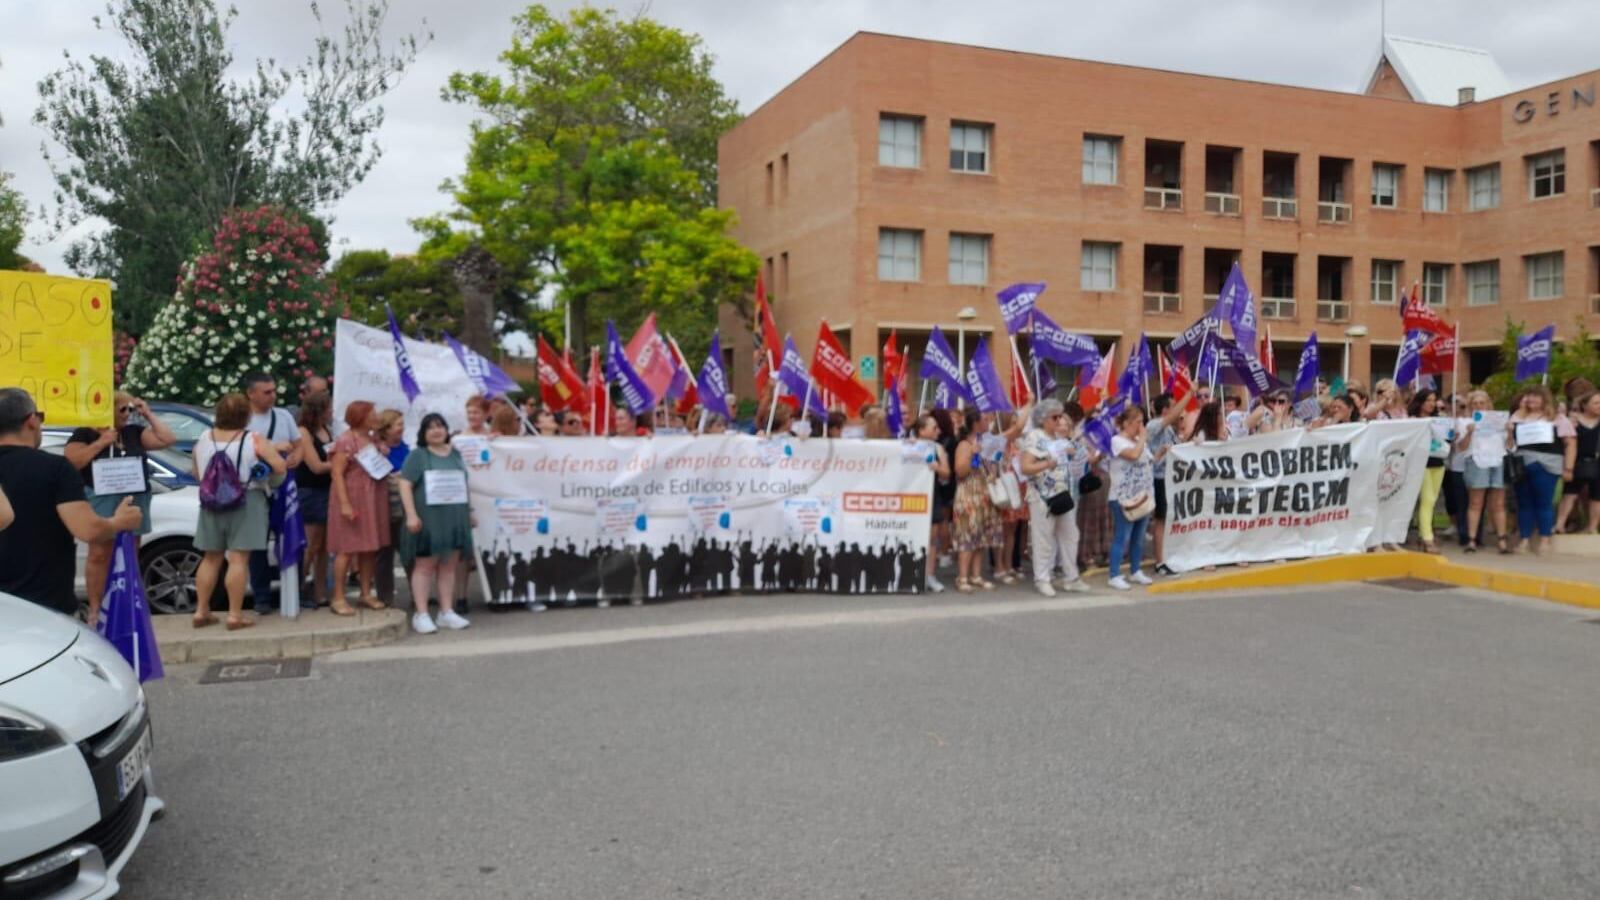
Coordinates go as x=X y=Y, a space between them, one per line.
x=1480 y=478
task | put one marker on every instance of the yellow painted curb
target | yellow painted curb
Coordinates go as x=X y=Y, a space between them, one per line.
x=1374 y=566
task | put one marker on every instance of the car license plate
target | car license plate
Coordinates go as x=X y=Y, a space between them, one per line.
x=132 y=767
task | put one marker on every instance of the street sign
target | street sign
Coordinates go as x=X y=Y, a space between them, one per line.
x=868 y=367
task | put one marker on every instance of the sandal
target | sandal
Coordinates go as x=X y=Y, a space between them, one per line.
x=236 y=624
x=373 y=603
x=980 y=581
x=1472 y=547
x=203 y=621
x=963 y=586
x=1500 y=542
x=340 y=607
x=1430 y=547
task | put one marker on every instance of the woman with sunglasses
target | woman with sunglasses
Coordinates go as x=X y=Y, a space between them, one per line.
x=1387 y=402
x=1274 y=414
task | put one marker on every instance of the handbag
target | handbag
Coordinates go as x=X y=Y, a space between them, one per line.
x=1516 y=468
x=1008 y=480
x=1060 y=504
x=1138 y=507
x=1089 y=483
x=998 y=495
x=1586 y=469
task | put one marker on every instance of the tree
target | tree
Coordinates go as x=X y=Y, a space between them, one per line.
x=591 y=173
x=1577 y=358
x=13 y=224
x=256 y=300
x=163 y=145
x=418 y=288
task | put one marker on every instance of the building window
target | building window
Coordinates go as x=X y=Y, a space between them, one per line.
x=1483 y=187
x=899 y=141
x=1547 y=174
x=1098 y=271
x=1435 y=283
x=899 y=254
x=1385 y=185
x=1436 y=191
x=1483 y=283
x=969 y=147
x=969 y=259
x=1385 y=275
x=1546 y=280
x=1100 y=159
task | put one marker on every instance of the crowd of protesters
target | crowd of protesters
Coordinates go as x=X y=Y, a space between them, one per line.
x=1021 y=496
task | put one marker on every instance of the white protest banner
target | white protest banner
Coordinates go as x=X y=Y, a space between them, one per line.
x=363 y=369
x=1294 y=493
x=616 y=518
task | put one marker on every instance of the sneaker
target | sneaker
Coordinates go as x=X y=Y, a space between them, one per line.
x=536 y=606
x=452 y=620
x=637 y=601
x=1164 y=569
x=603 y=604
x=1077 y=587
x=935 y=586
x=422 y=623
x=1119 y=584
x=1044 y=588
x=1140 y=578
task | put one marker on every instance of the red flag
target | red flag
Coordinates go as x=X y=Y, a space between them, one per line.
x=599 y=396
x=836 y=374
x=1439 y=355
x=771 y=349
x=1268 y=360
x=691 y=393
x=1178 y=383
x=1419 y=317
x=1097 y=386
x=892 y=361
x=1021 y=393
x=559 y=384
x=651 y=357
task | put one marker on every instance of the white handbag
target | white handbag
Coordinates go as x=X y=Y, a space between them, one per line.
x=997 y=494
x=1008 y=480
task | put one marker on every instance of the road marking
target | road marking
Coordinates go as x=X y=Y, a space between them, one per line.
x=416 y=649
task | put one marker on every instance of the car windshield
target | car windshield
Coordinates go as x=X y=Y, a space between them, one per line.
x=185 y=427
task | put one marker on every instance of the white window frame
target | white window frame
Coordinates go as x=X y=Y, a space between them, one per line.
x=1483 y=187
x=1386 y=185
x=1436 y=284
x=1546 y=275
x=899 y=254
x=1380 y=283
x=893 y=151
x=969 y=258
x=1097 y=266
x=1483 y=282
x=962 y=137
x=1436 y=190
x=1555 y=176
x=1100 y=157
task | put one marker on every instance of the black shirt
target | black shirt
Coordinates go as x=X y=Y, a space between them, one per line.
x=132 y=445
x=304 y=477
x=38 y=559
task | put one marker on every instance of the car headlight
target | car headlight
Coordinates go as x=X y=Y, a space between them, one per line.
x=22 y=735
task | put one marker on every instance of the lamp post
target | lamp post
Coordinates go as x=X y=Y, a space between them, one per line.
x=1354 y=331
x=967 y=314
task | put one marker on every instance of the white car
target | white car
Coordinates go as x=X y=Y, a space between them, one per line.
x=76 y=794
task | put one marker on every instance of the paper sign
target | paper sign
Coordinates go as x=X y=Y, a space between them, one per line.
x=670 y=431
x=376 y=464
x=522 y=516
x=920 y=452
x=709 y=513
x=1488 y=444
x=474 y=448
x=802 y=515
x=55 y=343
x=119 y=475
x=991 y=447
x=853 y=432
x=618 y=516
x=1535 y=433
x=1443 y=433
x=445 y=487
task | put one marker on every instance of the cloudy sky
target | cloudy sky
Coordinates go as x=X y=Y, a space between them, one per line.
x=760 y=46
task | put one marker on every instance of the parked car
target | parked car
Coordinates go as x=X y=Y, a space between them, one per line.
x=187 y=421
x=75 y=748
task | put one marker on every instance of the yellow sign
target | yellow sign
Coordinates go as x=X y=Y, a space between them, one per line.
x=55 y=343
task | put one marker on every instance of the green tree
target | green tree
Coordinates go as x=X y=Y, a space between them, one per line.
x=418 y=288
x=592 y=172
x=162 y=144
x=1577 y=358
x=255 y=300
x=13 y=224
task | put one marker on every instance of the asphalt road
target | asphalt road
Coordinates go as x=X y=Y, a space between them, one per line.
x=1350 y=742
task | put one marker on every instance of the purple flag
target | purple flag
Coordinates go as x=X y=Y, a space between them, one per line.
x=1047 y=382
x=1132 y=381
x=939 y=362
x=796 y=379
x=1305 y=377
x=713 y=381
x=1194 y=341
x=635 y=392
x=125 y=614
x=1050 y=341
x=893 y=412
x=983 y=382
x=1533 y=353
x=490 y=379
x=1409 y=363
x=283 y=520
x=1100 y=429
x=402 y=360
x=1016 y=302
x=1244 y=368
x=942 y=398
x=1237 y=306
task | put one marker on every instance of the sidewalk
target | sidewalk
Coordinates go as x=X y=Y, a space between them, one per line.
x=274 y=636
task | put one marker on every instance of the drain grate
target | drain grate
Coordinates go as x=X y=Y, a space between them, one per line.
x=1417 y=585
x=237 y=670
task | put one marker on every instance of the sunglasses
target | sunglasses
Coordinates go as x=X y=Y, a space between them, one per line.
x=1278 y=401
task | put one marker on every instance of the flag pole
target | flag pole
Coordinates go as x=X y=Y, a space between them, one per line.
x=805 y=405
x=1016 y=357
x=594 y=401
x=1455 y=367
x=922 y=399
x=772 y=405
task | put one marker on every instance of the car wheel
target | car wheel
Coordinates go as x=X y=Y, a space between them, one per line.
x=169 y=568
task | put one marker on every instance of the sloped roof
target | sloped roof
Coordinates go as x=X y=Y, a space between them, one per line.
x=1434 y=73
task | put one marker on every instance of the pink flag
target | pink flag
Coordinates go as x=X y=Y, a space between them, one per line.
x=651 y=357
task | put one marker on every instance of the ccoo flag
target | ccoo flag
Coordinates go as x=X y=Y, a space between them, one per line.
x=490 y=379
x=983 y=382
x=940 y=363
x=793 y=377
x=1237 y=306
x=635 y=393
x=713 y=380
x=125 y=615
x=1016 y=302
x=833 y=370
x=1051 y=341
x=402 y=359
x=1132 y=382
x=1533 y=353
x=1305 y=377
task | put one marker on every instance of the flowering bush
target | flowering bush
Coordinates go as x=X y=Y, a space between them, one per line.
x=122 y=345
x=256 y=301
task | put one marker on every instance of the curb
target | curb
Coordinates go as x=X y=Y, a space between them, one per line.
x=1401 y=564
x=181 y=643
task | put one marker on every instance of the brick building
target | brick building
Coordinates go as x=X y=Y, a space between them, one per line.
x=899 y=183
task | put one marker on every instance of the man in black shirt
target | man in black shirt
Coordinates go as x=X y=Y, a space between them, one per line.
x=38 y=560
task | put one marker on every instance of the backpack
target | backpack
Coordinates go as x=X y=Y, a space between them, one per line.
x=220 y=487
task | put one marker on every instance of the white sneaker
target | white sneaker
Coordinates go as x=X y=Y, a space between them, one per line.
x=935 y=586
x=453 y=620
x=422 y=623
x=1140 y=578
x=536 y=606
x=1119 y=584
x=603 y=604
x=1077 y=587
x=1044 y=588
